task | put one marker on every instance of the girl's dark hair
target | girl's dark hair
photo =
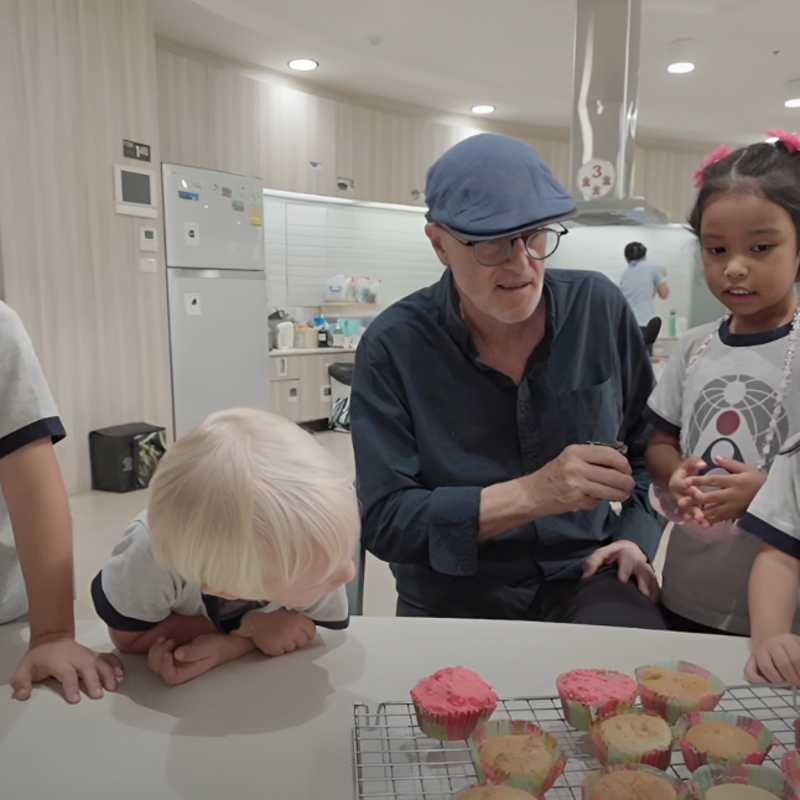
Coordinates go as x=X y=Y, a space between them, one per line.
x=766 y=170
x=635 y=251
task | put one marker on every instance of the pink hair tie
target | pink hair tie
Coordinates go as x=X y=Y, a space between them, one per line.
x=699 y=175
x=791 y=141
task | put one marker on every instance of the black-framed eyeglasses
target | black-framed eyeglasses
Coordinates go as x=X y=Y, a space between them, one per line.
x=540 y=244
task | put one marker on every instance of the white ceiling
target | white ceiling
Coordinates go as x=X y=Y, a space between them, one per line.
x=515 y=54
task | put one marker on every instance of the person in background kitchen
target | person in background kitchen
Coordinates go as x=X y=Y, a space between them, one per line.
x=36 y=530
x=472 y=404
x=641 y=282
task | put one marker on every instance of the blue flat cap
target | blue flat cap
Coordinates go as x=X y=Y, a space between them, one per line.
x=490 y=186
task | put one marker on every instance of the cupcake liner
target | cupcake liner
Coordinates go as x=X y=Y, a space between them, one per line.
x=673 y=708
x=608 y=756
x=452 y=726
x=580 y=715
x=766 y=778
x=463 y=792
x=536 y=783
x=790 y=766
x=682 y=791
x=695 y=759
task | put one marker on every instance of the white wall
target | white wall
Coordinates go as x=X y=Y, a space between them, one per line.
x=674 y=247
x=309 y=241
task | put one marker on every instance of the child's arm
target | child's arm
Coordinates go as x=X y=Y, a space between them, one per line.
x=39 y=511
x=772 y=597
x=176 y=627
x=278 y=632
x=672 y=472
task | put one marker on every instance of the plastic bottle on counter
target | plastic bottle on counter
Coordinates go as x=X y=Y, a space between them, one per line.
x=362 y=289
x=350 y=296
x=672 y=324
x=285 y=337
x=300 y=329
x=311 y=337
x=374 y=291
x=321 y=324
x=338 y=335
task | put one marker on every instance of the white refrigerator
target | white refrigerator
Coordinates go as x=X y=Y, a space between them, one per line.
x=216 y=285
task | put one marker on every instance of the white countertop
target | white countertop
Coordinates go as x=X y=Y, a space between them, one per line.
x=280 y=729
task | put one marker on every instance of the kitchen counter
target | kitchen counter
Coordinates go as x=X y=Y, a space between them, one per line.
x=281 y=729
x=306 y=351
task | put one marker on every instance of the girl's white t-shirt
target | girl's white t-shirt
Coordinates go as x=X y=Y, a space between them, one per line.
x=722 y=406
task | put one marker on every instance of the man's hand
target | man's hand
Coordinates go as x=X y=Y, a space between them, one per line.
x=679 y=488
x=179 y=664
x=631 y=562
x=68 y=662
x=580 y=477
x=775 y=660
x=277 y=632
x=723 y=497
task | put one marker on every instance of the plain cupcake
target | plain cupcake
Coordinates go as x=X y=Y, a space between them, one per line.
x=677 y=688
x=633 y=738
x=484 y=792
x=633 y=782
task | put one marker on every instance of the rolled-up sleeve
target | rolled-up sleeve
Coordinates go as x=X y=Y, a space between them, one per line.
x=404 y=521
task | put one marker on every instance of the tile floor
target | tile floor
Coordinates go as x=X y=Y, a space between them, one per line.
x=100 y=518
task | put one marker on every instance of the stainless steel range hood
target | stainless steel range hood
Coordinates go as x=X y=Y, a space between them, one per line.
x=605 y=87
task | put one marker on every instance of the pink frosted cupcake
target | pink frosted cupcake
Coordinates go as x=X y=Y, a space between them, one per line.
x=632 y=739
x=720 y=738
x=452 y=703
x=675 y=688
x=589 y=694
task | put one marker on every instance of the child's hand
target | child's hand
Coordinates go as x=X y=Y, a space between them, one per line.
x=775 y=660
x=278 y=632
x=730 y=495
x=68 y=662
x=181 y=664
x=679 y=488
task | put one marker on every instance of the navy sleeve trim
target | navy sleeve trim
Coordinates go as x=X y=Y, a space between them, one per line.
x=333 y=625
x=657 y=421
x=110 y=615
x=771 y=535
x=47 y=428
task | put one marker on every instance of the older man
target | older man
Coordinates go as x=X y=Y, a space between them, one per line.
x=473 y=403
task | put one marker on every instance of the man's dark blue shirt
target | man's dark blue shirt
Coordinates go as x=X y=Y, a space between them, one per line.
x=432 y=426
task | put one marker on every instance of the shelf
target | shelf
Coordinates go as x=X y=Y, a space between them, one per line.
x=343 y=309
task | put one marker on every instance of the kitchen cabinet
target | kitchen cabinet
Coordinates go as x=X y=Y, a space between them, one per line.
x=300 y=387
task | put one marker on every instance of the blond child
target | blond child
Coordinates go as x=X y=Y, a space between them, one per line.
x=246 y=545
x=36 y=531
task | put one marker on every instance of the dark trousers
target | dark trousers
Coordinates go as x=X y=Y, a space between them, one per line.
x=600 y=600
x=675 y=622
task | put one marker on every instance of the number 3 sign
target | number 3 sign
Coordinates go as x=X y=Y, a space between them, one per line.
x=596 y=178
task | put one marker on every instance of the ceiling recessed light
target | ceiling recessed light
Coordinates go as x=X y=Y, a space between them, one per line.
x=680 y=56
x=792 y=94
x=303 y=64
x=482 y=109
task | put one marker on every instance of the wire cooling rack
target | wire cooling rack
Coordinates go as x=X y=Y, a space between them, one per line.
x=394 y=760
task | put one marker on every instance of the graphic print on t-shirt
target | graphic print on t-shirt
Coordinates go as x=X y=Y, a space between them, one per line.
x=731 y=417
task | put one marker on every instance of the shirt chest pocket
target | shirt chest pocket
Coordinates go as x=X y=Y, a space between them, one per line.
x=593 y=412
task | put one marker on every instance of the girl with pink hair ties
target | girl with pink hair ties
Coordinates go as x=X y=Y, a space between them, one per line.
x=729 y=398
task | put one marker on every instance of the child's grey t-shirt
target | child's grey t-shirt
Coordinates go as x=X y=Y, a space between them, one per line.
x=722 y=407
x=27 y=413
x=134 y=592
x=638 y=284
x=774 y=514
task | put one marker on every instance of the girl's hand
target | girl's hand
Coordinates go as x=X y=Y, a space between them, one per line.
x=722 y=497
x=62 y=658
x=679 y=488
x=775 y=660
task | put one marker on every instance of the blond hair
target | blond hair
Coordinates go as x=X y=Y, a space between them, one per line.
x=249 y=500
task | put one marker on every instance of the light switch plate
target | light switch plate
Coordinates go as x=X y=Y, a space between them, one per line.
x=147 y=264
